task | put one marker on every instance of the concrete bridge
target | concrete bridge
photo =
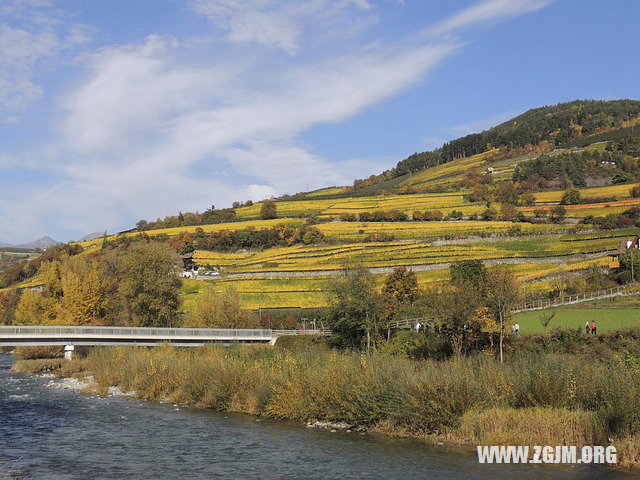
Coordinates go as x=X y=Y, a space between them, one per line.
x=182 y=337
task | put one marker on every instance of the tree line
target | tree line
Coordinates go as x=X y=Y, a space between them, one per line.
x=246 y=238
x=471 y=309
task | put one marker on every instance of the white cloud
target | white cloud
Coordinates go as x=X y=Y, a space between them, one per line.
x=167 y=124
x=20 y=52
x=143 y=120
x=282 y=24
x=488 y=10
x=29 y=34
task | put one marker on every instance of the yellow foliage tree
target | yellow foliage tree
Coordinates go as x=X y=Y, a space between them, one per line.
x=84 y=298
x=52 y=278
x=35 y=309
x=487 y=322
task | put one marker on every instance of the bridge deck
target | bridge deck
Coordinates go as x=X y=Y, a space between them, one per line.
x=71 y=335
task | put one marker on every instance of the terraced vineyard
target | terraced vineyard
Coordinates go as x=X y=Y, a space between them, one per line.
x=447 y=174
x=298 y=275
x=312 y=291
x=389 y=254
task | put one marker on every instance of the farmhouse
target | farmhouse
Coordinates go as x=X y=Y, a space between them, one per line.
x=190 y=267
x=625 y=246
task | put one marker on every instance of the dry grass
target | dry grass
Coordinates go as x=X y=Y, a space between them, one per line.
x=528 y=426
x=37 y=365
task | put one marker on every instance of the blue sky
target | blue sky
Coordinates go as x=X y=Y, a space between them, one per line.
x=116 y=110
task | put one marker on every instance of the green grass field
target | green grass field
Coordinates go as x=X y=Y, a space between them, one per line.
x=607 y=319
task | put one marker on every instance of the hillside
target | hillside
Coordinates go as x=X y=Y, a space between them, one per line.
x=564 y=125
x=549 y=193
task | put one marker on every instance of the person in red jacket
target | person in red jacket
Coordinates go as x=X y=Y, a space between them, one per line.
x=593 y=327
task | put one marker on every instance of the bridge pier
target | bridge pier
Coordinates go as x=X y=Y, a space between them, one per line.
x=68 y=352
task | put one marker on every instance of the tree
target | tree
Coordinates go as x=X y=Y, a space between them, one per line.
x=571 y=197
x=489 y=214
x=268 y=210
x=220 y=310
x=502 y=295
x=355 y=308
x=635 y=191
x=452 y=311
x=508 y=212
x=540 y=212
x=399 y=292
x=545 y=319
x=528 y=199
x=8 y=302
x=85 y=296
x=149 y=284
x=487 y=322
x=35 y=309
x=558 y=213
x=468 y=274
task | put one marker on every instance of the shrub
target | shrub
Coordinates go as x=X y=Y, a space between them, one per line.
x=268 y=210
x=571 y=197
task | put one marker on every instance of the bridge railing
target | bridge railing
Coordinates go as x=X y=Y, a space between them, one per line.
x=134 y=331
x=319 y=331
x=576 y=298
x=150 y=332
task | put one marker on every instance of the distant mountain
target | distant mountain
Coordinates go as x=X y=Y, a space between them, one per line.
x=4 y=245
x=44 y=242
x=91 y=236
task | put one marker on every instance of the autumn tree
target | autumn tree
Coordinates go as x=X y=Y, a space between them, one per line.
x=571 y=197
x=502 y=294
x=355 y=308
x=558 y=213
x=268 y=210
x=486 y=322
x=85 y=296
x=8 y=302
x=469 y=275
x=451 y=311
x=508 y=213
x=399 y=292
x=34 y=308
x=528 y=199
x=149 y=284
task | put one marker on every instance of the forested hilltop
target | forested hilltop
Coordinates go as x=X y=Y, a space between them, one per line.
x=564 y=125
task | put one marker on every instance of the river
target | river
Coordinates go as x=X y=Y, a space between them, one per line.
x=48 y=433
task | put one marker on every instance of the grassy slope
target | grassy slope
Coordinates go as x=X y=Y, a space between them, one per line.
x=607 y=319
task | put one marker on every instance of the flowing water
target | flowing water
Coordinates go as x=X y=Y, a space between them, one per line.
x=47 y=433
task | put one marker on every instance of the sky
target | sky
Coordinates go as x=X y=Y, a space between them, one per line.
x=112 y=111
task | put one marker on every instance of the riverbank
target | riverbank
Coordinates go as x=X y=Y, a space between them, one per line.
x=530 y=400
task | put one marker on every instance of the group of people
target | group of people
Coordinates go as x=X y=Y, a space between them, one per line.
x=590 y=328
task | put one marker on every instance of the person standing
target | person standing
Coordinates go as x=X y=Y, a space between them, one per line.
x=593 y=327
x=516 y=328
x=418 y=327
x=587 y=328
